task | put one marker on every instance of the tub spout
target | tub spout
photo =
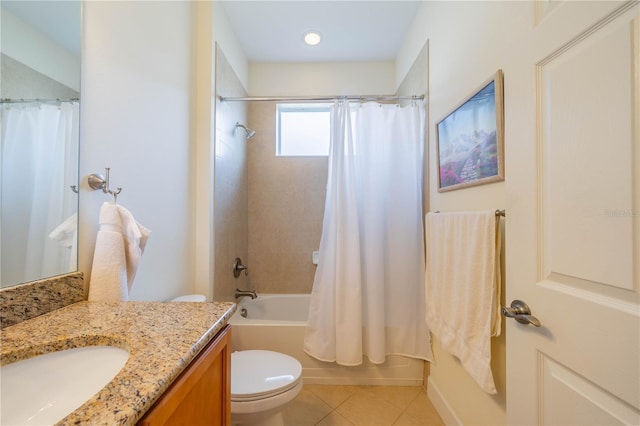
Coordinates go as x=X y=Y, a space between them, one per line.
x=240 y=293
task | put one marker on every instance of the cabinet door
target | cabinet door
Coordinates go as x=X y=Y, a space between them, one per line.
x=202 y=393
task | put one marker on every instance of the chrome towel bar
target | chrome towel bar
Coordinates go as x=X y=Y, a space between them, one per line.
x=502 y=213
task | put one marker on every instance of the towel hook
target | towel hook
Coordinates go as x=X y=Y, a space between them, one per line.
x=97 y=181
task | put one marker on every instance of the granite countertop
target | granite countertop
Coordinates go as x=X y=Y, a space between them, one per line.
x=162 y=339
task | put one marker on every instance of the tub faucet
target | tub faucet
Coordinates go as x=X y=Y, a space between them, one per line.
x=239 y=267
x=240 y=293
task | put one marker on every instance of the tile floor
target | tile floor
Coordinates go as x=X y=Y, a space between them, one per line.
x=329 y=405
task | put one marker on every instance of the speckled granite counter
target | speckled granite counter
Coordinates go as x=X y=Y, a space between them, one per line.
x=22 y=302
x=162 y=338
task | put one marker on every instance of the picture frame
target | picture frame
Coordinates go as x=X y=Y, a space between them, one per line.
x=470 y=139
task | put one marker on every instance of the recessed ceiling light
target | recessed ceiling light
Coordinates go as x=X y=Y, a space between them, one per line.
x=312 y=38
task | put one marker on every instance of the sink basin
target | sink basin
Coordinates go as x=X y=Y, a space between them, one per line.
x=46 y=388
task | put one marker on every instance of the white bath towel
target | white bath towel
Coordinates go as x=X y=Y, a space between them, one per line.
x=462 y=286
x=119 y=245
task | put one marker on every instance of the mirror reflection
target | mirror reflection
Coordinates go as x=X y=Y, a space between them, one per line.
x=40 y=91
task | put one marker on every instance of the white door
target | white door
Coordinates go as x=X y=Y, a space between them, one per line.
x=572 y=117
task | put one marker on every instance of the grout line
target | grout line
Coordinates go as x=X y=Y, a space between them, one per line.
x=324 y=402
x=320 y=421
x=404 y=410
x=332 y=408
x=358 y=389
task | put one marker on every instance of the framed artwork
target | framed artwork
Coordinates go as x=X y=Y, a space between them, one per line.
x=470 y=139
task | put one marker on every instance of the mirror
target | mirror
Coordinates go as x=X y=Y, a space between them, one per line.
x=40 y=92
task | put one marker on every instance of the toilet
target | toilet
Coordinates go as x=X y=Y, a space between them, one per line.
x=262 y=382
x=190 y=298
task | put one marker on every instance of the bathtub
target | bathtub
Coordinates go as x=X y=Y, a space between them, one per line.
x=277 y=322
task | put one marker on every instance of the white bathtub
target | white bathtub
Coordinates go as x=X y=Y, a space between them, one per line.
x=277 y=322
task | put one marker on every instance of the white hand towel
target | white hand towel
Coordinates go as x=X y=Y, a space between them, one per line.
x=119 y=245
x=67 y=235
x=462 y=286
x=135 y=238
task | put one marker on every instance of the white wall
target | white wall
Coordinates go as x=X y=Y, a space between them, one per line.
x=322 y=78
x=202 y=154
x=136 y=117
x=211 y=27
x=29 y=46
x=148 y=84
x=228 y=42
x=468 y=43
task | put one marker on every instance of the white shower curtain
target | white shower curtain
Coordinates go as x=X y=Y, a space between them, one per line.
x=368 y=295
x=39 y=162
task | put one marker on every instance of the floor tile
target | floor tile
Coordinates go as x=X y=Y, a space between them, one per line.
x=333 y=395
x=334 y=419
x=335 y=405
x=306 y=410
x=400 y=396
x=420 y=412
x=364 y=409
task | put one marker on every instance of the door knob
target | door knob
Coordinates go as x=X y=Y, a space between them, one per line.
x=520 y=312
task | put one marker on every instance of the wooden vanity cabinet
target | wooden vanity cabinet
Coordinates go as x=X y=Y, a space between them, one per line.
x=201 y=395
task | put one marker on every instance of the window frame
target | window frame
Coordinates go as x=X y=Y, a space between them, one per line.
x=324 y=107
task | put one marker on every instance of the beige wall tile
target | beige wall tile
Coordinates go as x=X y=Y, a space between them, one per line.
x=231 y=198
x=286 y=206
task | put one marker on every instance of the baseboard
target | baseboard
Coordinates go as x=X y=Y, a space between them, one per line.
x=441 y=405
x=349 y=381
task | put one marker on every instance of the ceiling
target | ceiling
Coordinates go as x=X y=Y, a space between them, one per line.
x=59 y=20
x=270 y=31
x=361 y=30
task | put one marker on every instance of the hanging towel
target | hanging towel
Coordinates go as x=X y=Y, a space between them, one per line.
x=119 y=245
x=462 y=287
x=65 y=233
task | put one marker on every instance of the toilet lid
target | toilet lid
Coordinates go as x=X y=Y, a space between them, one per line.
x=258 y=373
x=190 y=298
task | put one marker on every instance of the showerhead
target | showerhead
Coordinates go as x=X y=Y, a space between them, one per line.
x=250 y=133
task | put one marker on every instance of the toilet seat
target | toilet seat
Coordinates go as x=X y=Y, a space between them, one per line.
x=259 y=374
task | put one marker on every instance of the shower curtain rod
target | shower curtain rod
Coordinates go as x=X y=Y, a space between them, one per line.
x=44 y=101
x=321 y=98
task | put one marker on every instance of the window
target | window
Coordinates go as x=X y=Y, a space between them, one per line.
x=303 y=129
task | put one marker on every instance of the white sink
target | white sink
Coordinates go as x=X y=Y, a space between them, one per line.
x=44 y=389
